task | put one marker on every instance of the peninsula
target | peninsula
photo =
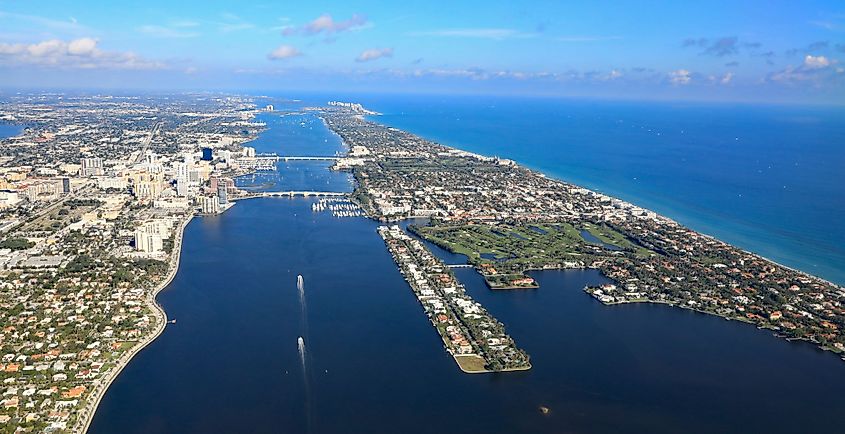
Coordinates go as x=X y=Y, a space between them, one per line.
x=509 y=220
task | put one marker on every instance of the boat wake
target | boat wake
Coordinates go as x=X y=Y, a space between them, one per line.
x=300 y=344
x=303 y=359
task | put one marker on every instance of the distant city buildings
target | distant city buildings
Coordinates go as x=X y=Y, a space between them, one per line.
x=8 y=198
x=209 y=205
x=149 y=237
x=99 y=228
x=147 y=189
x=92 y=167
x=41 y=190
x=116 y=183
x=182 y=186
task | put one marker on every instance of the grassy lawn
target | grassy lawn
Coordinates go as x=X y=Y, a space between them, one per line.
x=513 y=248
x=502 y=244
x=471 y=364
x=610 y=236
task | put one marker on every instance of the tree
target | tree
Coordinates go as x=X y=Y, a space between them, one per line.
x=16 y=244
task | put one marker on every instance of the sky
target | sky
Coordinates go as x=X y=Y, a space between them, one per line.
x=743 y=51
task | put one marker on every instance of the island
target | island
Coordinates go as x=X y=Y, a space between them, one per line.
x=475 y=339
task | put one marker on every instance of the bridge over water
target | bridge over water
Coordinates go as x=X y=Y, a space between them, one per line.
x=273 y=157
x=291 y=193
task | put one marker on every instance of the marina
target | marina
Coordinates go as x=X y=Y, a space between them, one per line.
x=338 y=207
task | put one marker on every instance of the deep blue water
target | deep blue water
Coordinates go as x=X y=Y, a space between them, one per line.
x=297 y=135
x=7 y=130
x=769 y=179
x=374 y=364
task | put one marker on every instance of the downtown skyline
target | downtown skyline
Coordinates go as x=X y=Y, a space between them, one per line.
x=756 y=51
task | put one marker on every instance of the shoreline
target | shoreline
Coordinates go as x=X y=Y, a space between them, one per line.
x=774 y=332
x=595 y=189
x=88 y=412
x=836 y=288
x=562 y=180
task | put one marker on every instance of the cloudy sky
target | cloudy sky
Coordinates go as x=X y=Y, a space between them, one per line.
x=778 y=51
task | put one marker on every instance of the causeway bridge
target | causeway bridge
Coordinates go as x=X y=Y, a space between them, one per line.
x=271 y=157
x=291 y=193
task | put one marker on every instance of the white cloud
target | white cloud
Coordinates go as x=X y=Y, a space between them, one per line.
x=51 y=47
x=813 y=69
x=476 y=74
x=82 y=47
x=481 y=33
x=284 y=52
x=166 y=32
x=327 y=25
x=816 y=62
x=681 y=76
x=81 y=53
x=727 y=78
x=373 y=54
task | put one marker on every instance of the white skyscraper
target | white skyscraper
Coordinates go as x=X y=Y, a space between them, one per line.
x=92 y=167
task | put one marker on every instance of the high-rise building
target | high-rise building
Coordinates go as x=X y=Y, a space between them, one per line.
x=207 y=154
x=180 y=170
x=147 y=189
x=117 y=183
x=65 y=185
x=92 y=167
x=149 y=243
x=149 y=237
x=209 y=205
x=222 y=194
x=41 y=190
x=182 y=186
